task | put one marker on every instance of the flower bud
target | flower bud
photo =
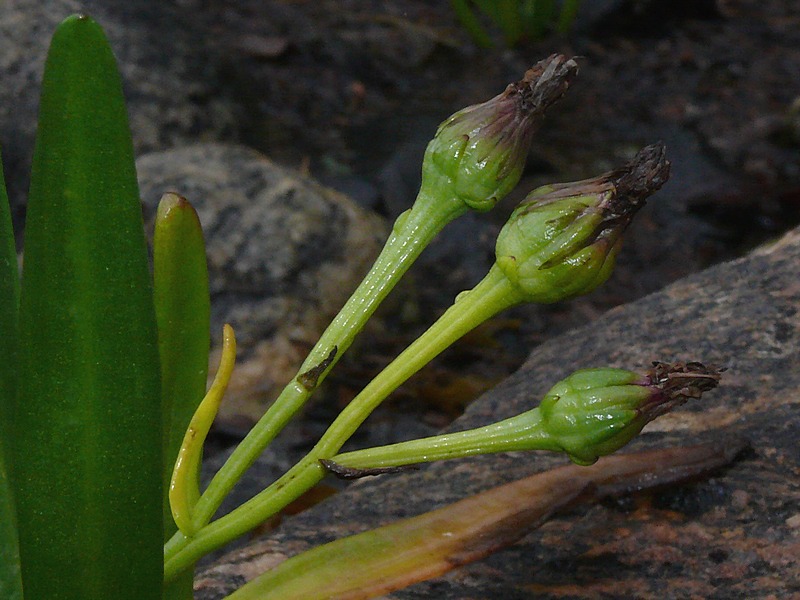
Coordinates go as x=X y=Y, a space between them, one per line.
x=562 y=240
x=478 y=154
x=595 y=412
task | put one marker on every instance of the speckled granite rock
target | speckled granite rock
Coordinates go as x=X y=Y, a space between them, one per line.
x=284 y=253
x=736 y=535
x=172 y=86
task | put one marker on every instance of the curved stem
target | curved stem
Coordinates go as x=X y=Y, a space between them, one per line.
x=183 y=488
x=492 y=295
x=412 y=232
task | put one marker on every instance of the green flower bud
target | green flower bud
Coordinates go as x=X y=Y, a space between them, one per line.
x=562 y=240
x=595 y=412
x=478 y=154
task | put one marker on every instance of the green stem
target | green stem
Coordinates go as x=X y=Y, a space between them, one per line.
x=412 y=232
x=492 y=295
x=522 y=432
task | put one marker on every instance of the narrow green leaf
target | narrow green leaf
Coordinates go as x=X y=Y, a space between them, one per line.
x=509 y=20
x=9 y=305
x=10 y=580
x=10 y=573
x=470 y=22
x=180 y=588
x=183 y=310
x=541 y=17
x=569 y=11
x=87 y=432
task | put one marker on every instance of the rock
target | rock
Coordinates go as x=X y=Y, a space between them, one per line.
x=283 y=254
x=171 y=82
x=732 y=536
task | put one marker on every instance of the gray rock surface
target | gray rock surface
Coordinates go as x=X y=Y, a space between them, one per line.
x=732 y=536
x=172 y=86
x=284 y=253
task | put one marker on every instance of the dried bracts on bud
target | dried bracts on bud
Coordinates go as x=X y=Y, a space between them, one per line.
x=479 y=152
x=562 y=240
x=595 y=412
x=677 y=382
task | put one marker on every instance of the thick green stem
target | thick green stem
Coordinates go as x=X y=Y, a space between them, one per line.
x=492 y=295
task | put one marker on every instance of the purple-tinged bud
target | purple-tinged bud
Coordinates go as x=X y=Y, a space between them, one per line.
x=595 y=412
x=562 y=240
x=478 y=154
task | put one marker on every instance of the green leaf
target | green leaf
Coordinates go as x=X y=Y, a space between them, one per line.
x=183 y=311
x=471 y=23
x=569 y=10
x=10 y=575
x=10 y=580
x=180 y=588
x=539 y=17
x=87 y=431
x=9 y=305
x=509 y=21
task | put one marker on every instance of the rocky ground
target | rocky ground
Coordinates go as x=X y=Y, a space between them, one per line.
x=347 y=94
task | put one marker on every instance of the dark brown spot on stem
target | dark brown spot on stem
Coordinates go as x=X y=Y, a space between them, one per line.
x=343 y=472
x=310 y=378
